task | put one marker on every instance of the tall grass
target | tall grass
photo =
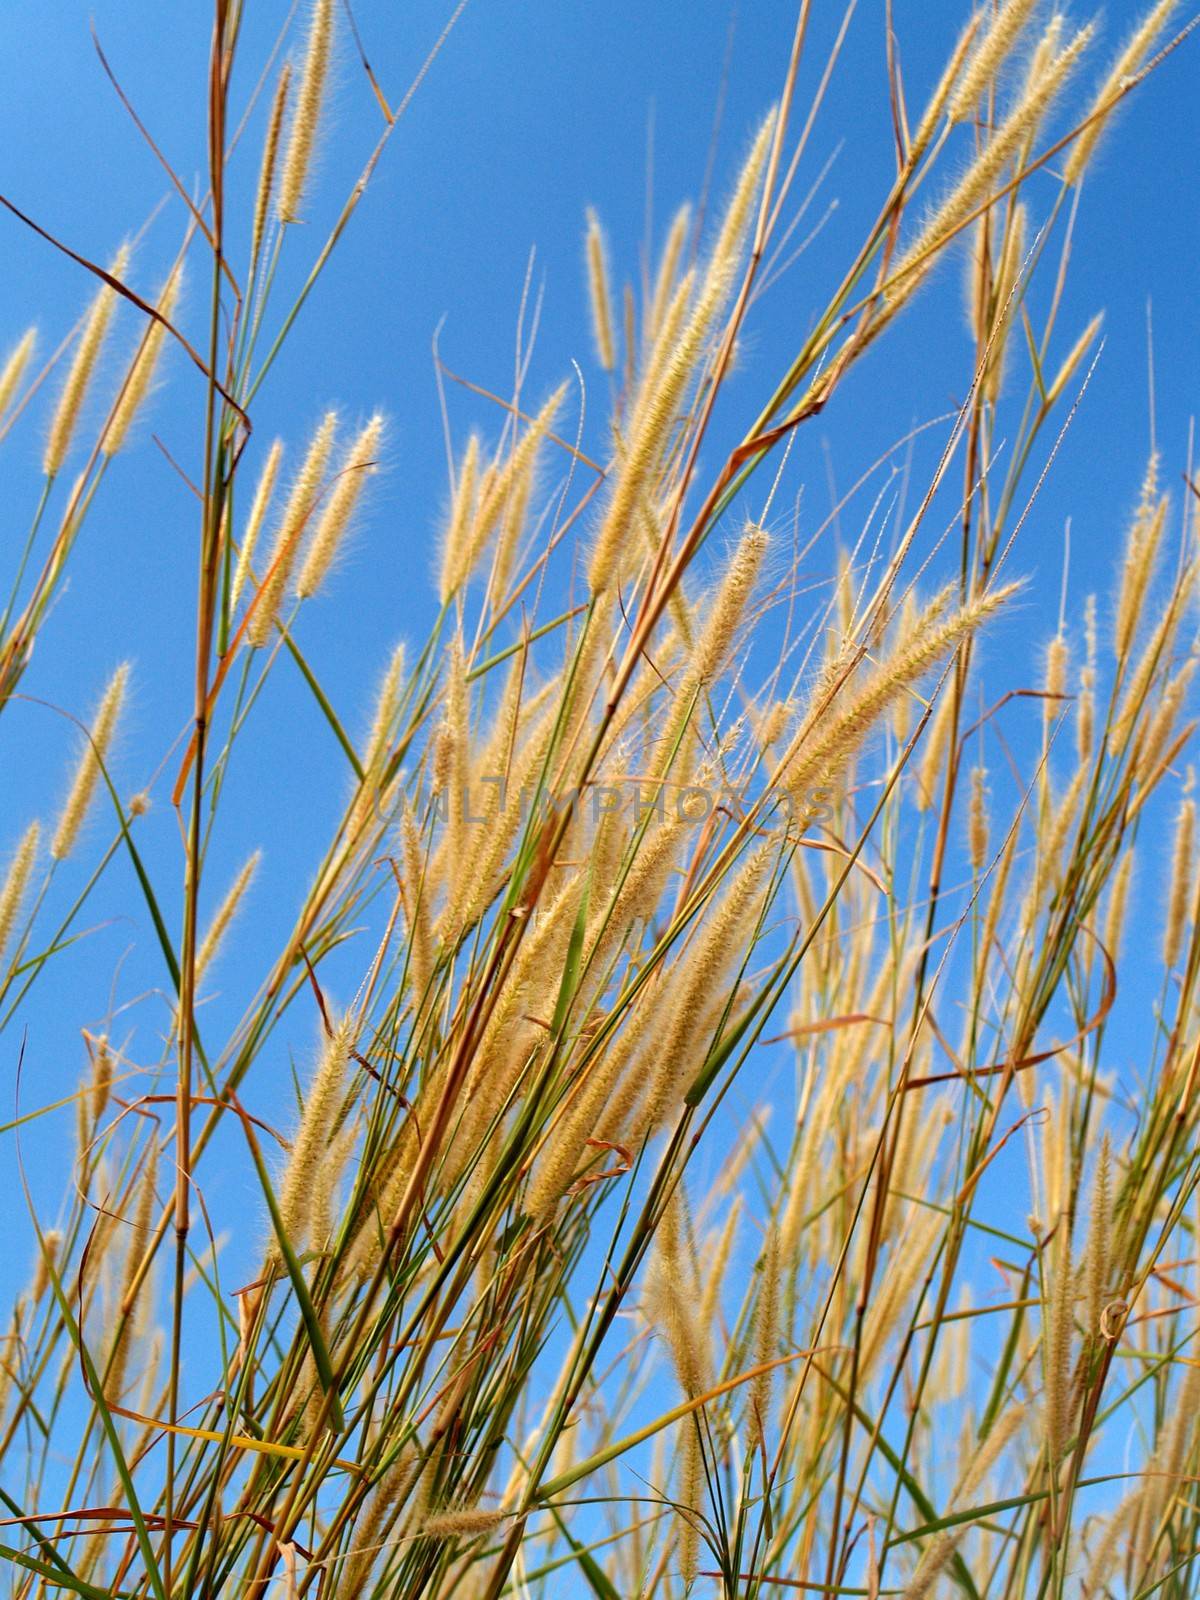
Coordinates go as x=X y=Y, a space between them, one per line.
x=545 y=1299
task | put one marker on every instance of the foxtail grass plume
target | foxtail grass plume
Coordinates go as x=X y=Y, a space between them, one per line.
x=672 y=366
x=462 y=1521
x=141 y=373
x=712 y=645
x=766 y=1331
x=16 y=883
x=456 y=542
x=977 y=829
x=502 y=479
x=47 y=1261
x=306 y=116
x=225 y=913
x=1181 y=882
x=989 y=55
x=667 y=277
x=14 y=367
x=82 y=368
x=322 y=1105
x=975 y=187
x=87 y=773
x=941 y=1547
x=361 y=460
x=1118 y=905
x=819 y=751
x=1074 y=359
x=599 y=293
x=264 y=489
x=383 y=723
x=296 y=516
x=1005 y=299
x=940 y=98
x=270 y=160
x=1140 y=558
x=100 y=1086
x=135 y=1280
x=1134 y=55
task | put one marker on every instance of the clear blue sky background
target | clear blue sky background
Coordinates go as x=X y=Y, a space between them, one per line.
x=535 y=109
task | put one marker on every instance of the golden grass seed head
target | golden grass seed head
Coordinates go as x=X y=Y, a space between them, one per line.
x=940 y=1549
x=361 y=460
x=1131 y=58
x=1118 y=905
x=819 y=750
x=933 y=752
x=988 y=57
x=306 y=114
x=87 y=772
x=102 y=1075
x=668 y=272
x=1005 y=299
x=673 y=363
x=141 y=373
x=976 y=184
x=977 y=827
x=652 y=417
x=301 y=504
x=498 y=488
x=465 y=1521
x=599 y=293
x=322 y=1105
x=83 y=366
x=1054 y=677
x=387 y=704
x=263 y=491
x=456 y=541
x=16 y=883
x=418 y=896
x=14 y=367
x=766 y=1330
x=1074 y=358
x=1181 y=883
x=225 y=913
x=270 y=160
x=1139 y=561
x=944 y=88
x=46 y=1263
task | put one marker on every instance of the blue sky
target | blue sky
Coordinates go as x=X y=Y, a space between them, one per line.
x=532 y=112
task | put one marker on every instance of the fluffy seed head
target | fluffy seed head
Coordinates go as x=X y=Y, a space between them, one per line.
x=989 y=55
x=16 y=882
x=297 y=513
x=1074 y=358
x=270 y=160
x=87 y=773
x=1182 y=879
x=14 y=367
x=258 y=510
x=977 y=182
x=307 y=114
x=599 y=294
x=978 y=819
x=83 y=365
x=102 y=1076
x=225 y=913
x=668 y=271
x=1131 y=58
x=141 y=373
x=359 y=463
x=322 y=1104
x=456 y=543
